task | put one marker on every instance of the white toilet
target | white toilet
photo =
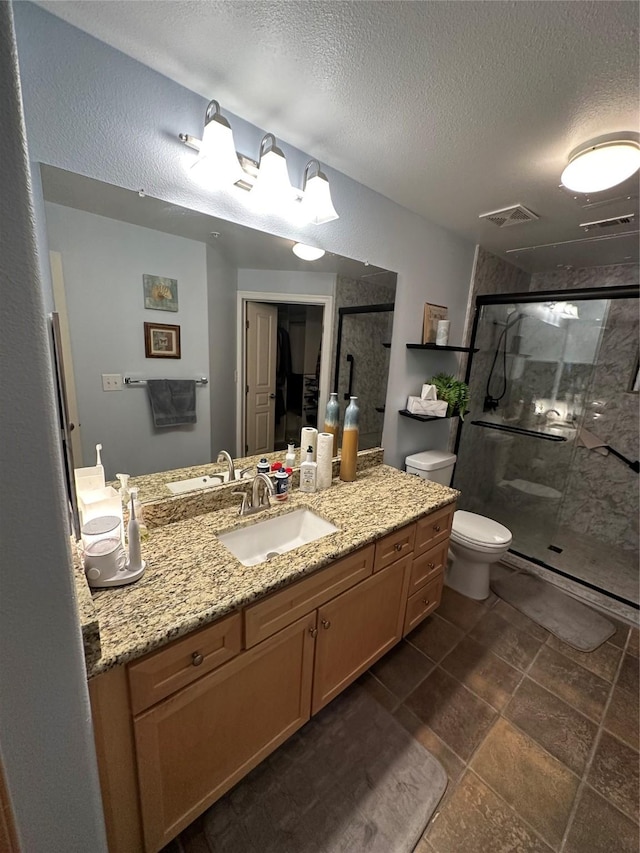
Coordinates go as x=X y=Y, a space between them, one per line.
x=476 y=542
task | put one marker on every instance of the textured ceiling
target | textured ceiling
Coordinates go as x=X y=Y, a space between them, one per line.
x=450 y=109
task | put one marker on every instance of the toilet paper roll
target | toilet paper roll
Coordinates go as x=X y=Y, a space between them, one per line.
x=325 y=460
x=308 y=438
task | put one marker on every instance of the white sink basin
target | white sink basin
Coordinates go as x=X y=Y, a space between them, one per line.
x=193 y=484
x=263 y=540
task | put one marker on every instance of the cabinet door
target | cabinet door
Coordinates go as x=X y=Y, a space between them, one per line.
x=357 y=628
x=197 y=744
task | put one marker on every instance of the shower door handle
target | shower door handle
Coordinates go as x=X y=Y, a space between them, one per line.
x=351 y=362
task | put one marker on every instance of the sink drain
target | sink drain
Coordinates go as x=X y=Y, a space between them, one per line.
x=271 y=554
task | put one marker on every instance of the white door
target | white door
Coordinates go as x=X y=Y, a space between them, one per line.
x=261 y=337
x=60 y=303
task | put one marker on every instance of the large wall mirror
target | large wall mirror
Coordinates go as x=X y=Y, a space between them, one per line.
x=121 y=260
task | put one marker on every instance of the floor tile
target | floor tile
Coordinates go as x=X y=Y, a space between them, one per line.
x=560 y=729
x=475 y=820
x=598 y=827
x=573 y=683
x=379 y=692
x=614 y=774
x=195 y=844
x=520 y=621
x=623 y=716
x=603 y=661
x=402 y=669
x=493 y=679
x=628 y=678
x=632 y=648
x=539 y=787
x=430 y=740
x=454 y=714
x=459 y=610
x=620 y=637
x=435 y=637
x=505 y=640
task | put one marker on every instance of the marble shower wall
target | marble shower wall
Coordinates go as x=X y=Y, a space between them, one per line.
x=602 y=493
x=363 y=336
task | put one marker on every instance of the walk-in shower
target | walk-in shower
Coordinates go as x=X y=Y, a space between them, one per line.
x=550 y=445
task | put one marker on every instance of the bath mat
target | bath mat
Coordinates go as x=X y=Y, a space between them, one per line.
x=572 y=622
x=352 y=779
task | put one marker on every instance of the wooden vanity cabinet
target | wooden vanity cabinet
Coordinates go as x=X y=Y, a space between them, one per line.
x=179 y=727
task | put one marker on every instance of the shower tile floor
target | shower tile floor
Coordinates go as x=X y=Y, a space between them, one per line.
x=540 y=742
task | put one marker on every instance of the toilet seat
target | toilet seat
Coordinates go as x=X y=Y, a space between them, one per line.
x=479 y=533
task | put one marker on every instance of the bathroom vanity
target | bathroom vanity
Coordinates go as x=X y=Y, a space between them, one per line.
x=206 y=666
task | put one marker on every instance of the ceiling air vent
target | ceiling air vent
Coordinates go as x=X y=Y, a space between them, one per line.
x=628 y=219
x=513 y=215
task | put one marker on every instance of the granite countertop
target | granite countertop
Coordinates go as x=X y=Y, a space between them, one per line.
x=191 y=579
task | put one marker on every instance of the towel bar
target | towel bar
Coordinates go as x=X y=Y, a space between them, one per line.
x=129 y=381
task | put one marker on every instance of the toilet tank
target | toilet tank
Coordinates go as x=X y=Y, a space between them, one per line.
x=436 y=465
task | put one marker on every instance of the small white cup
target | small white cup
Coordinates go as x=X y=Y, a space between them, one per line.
x=442 y=333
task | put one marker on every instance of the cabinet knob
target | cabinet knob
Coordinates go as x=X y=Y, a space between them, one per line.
x=398 y=546
x=326 y=623
x=425 y=601
x=313 y=631
x=437 y=528
x=431 y=565
x=196 y=659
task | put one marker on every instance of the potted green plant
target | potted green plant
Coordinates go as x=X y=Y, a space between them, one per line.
x=454 y=391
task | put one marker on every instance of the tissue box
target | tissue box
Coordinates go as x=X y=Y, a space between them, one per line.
x=428 y=408
x=432 y=313
x=428 y=392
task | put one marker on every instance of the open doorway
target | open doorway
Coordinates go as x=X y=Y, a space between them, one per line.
x=284 y=350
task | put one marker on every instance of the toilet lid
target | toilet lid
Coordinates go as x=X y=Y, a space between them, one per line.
x=469 y=527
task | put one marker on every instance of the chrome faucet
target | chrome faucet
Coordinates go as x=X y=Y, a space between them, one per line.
x=223 y=456
x=261 y=488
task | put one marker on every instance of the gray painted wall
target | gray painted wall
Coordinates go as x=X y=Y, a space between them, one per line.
x=46 y=744
x=287 y=281
x=92 y=110
x=103 y=262
x=222 y=279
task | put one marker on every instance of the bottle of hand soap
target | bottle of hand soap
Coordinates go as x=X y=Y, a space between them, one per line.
x=308 y=473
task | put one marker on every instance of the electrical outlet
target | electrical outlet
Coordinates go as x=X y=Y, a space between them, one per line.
x=112 y=382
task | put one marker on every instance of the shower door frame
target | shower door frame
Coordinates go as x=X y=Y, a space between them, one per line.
x=629 y=291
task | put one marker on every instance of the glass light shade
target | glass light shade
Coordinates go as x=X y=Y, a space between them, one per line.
x=217 y=164
x=601 y=167
x=272 y=190
x=316 y=206
x=307 y=253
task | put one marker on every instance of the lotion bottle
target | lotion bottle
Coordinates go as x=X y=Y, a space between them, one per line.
x=308 y=473
x=290 y=458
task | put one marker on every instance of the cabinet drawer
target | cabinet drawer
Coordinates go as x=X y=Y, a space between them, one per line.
x=434 y=528
x=394 y=546
x=157 y=675
x=280 y=609
x=422 y=603
x=426 y=566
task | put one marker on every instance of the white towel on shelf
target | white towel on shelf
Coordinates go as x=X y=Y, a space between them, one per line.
x=591 y=442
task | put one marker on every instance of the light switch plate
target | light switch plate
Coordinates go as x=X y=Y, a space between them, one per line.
x=112 y=382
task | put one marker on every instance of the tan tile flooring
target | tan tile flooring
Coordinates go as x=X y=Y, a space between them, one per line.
x=540 y=742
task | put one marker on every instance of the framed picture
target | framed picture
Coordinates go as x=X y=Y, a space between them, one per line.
x=160 y=293
x=161 y=340
x=432 y=313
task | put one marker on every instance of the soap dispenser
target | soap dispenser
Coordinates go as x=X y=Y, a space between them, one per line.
x=308 y=473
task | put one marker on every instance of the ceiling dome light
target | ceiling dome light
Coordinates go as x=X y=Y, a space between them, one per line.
x=316 y=206
x=307 y=253
x=217 y=164
x=599 y=167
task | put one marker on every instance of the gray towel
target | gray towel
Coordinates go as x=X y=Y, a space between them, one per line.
x=173 y=401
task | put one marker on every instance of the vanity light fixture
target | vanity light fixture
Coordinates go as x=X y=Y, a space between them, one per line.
x=219 y=166
x=593 y=168
x=217 y=162
x=316 y=206
x=272 y=188
x=307 y=253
